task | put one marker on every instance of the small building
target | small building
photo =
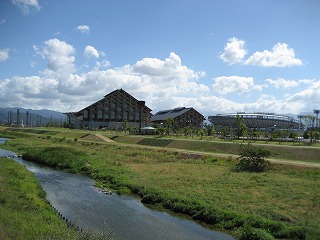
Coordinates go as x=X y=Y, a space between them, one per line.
x=181 y=115
x=112 y=112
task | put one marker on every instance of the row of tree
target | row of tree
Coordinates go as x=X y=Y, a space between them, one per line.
x=239 y=131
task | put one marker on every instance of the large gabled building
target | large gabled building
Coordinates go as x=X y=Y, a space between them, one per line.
x=111 y=112
x=181 y=115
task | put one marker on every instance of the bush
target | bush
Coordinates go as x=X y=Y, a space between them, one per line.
x=253 y=158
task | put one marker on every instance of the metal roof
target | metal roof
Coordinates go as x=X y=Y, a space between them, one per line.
x=166 y=114
x=256 y=120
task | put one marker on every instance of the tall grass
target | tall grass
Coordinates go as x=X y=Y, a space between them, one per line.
x=61 y=157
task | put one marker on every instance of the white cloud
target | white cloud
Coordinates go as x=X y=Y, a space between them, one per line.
x=283 y=83
x=307 y=97
x=83 y=29
x=234 y=51
x=90 y=51
x=2 y=21
x=60 y=58
x=103 y=63
x=280 y=56
x=4 y=54
x=34 y=92
x=27 y=6
x=234 y=84
x=162 y=83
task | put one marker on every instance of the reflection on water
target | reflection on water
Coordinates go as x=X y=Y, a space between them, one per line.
x=79 y=201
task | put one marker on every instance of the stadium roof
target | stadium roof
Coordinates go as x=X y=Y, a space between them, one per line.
x=256 y=120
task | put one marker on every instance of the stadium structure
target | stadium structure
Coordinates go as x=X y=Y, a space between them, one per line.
x=261 y=121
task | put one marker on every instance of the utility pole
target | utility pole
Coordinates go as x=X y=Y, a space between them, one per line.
x=28 y=120
x=9 y=121
x=18 y=117
x=317 y=119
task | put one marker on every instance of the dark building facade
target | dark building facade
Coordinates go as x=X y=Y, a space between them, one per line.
x=111 y=112
x=182 y=115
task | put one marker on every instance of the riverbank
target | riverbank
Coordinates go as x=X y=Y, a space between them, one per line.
x=282 y=203
x=24 y=211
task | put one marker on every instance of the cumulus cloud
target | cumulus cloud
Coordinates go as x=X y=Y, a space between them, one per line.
x=27 y=6
x=4 y=54
x=307 y=97
x=283 y=83
x=234 y=51
x=59 y=56
x=234 y=84
x=163 y=83
x=280 y=56
x=83 y=29
x=102 y=64
x=90 y=51
x=35 y=92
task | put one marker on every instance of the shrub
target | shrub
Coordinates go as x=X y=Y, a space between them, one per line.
x=253 y=158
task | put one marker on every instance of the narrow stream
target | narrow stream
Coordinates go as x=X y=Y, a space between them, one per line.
x=75 y=197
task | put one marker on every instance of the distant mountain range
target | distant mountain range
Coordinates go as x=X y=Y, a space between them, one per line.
x=30 y=117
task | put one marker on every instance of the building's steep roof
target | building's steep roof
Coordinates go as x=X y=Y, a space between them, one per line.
x=171 y=113
x=111 y=94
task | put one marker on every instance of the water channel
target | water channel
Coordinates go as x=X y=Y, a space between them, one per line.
x=75 y=197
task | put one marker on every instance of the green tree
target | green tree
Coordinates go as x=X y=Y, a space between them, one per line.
x=210 y=130
x=253 y=158
x=241 y=126
x=309 y=121
x=201 y=133
x=126 y=127
x=169 y=125
x=161 y=131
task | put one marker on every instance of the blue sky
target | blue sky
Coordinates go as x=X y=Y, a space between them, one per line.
x=216 y=56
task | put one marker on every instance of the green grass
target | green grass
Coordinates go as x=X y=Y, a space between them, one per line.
x=60 y=157
x=159 y=142
x=24 y=211
x=283 y=202
x=128 y=139
x=286 y=152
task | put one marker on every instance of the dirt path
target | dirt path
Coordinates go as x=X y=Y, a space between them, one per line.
x=103 y=138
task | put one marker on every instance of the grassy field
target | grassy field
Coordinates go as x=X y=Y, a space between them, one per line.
x=279 y=151
x=283 y=203
x=24 y=211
